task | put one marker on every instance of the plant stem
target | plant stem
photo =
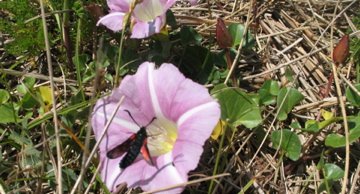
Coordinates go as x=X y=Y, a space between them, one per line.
x=346 y=129
x=118 y=64
x=51 y=77
x=66 y=35
x=77 y=57
x=218 y=157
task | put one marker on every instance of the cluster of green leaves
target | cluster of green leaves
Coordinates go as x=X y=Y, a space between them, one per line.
x=25 y=107
x=183 y=46
x=331 y=173
x=355 y=48
x=25 y=36
x=18 y=110
x=241 y=108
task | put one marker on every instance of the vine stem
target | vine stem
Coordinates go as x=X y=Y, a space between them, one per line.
x=126 y=20
x=334 y=66
x=346 y=128
x=218 y=155
x=235 y=61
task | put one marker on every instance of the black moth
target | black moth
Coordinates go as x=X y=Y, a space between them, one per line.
x=137 y=143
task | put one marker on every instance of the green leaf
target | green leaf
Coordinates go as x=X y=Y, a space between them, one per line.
x=27 y=84
x=352 y=96
x=321 y=163
x=333 y=172
x=189 y=35
x=312 y=126
x=197 y=63
x=337 y=140
x=286 y=100
x=171 y=19
x=46 y=96
x=19 y=139
x=288 y=142
x=28 y=101
x=295 y=125
x=268 y=92
x=4 y=96
x=289 y=74
x=8 y=114
x=237 y=107
x=63 y=111
x=236 y=32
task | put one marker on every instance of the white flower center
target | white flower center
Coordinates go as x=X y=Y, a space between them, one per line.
x=162 y=135
x=147 y=11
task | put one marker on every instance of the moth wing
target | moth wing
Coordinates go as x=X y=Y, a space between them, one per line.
x=145 y=152
x=121 y=149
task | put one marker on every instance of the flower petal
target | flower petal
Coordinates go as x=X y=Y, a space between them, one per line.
x=193 y=131
x=166 y=91
x=157 y=178
x=186 y=156
x=112 y=175
x=168 y=3
x=148 y=10
x=116 y=5
x=113 y=21
x=177 y=94
x=145 y=29
x=141 y=174
x=137 y=100
x=136 y=89
x=121 y=128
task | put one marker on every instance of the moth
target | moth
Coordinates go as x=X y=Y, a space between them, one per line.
x=135 y=144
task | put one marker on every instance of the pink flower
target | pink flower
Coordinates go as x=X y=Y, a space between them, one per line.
x=185 y=117
x=148 y=16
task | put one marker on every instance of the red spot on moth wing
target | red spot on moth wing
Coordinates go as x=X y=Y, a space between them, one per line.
x=145 y=152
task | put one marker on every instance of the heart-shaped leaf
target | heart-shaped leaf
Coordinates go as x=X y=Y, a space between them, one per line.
x=236 y=32
x=286 y=100
x=333 y=172
x=268 y=92
x=4 y=96
x=197 y=63
x=189 y=35
x=288 y=141
x=237 y=107
x=8 y=114
x=337 y=140
x=352 y=96
x=312 y=126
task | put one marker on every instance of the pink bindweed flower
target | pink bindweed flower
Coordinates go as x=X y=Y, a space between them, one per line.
x=185 y=117
x=148 y=16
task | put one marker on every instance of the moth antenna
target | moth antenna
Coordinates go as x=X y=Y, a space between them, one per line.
x=132 y=117
x=151 y=121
